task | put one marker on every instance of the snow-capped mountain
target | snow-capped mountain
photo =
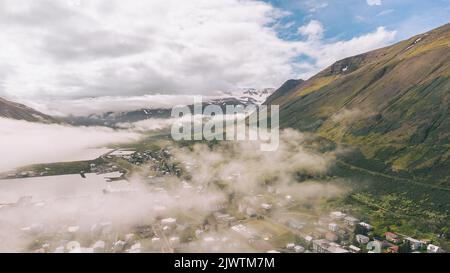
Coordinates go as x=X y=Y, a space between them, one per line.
x=244 y=96
x=255 y=95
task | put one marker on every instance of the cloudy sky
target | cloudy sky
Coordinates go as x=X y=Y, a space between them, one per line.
x=87 y=48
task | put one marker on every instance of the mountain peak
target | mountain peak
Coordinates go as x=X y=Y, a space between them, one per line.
x=287 y=87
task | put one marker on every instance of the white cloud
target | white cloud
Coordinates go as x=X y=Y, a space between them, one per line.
x=74 y=49
x=26 y=143
x=149 y=124
x=313 y=30
x=386 y=12
x=62 y=201
x=103 y=47
x=104 y=104
x=373 y=2
x=315 y=5
x=325 y=53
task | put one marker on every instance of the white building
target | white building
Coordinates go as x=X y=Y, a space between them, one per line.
x=174 y=240
x=351 y=221
x=362 y=239
x=308 y=239
x=337 y=215
x=168 y=222
x=334 y=248
x=354 y=249
x=366 y=226
x=319 y=246
x=72 y=246
x=375 y=246
x=434 y=249
x=325 y=246
x=156 y=242
x=299 y=249
x=136 y=248
x=99 y=247
x=118 y=246
x=333 y=227
x=413 y=243
x=266 y=206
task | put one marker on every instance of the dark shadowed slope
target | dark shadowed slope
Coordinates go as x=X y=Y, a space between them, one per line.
x=391 y=103
x=288 y=87
x=18 y=111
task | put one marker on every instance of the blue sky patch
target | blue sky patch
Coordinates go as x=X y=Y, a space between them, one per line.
x=343 y=20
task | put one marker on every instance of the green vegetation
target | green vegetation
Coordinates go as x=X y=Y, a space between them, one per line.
x=391 y=104
x=389 y=110
x=393 y=204
x=62 y=168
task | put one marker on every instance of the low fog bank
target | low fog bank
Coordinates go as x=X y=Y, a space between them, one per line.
x=101 y=105
x=94 y=214
x=23 y=143
x=247 y=168
x=151 y=124
x=221 y=178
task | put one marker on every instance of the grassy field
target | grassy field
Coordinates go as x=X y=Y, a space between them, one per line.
x=413 y=208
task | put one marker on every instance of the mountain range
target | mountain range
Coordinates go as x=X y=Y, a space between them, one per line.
x=390 y=104
x=114 y=119
x=245 y=96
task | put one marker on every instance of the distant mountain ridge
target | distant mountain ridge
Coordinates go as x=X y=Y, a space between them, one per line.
x=392 y=103
x=114 y=119
x=18 y=111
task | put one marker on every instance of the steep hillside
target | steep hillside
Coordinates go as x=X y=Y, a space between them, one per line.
x=287 y=87
x=18 y=111
x=391 y=103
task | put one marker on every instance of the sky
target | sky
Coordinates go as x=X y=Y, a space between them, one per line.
x=74 y=49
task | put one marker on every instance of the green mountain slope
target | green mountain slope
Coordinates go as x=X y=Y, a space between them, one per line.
x=392 y=104
x=287 y=88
